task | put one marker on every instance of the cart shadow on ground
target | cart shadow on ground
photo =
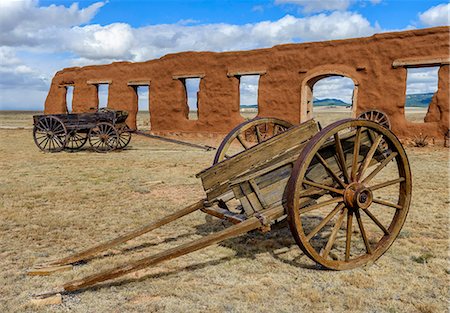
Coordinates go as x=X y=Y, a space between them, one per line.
x=279 y=243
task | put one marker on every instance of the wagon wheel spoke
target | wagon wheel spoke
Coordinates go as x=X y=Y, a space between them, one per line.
x=325 y=221
x=248 y=134
x=376 y=221
x=58 y=141
x=46 y=142
x=363 y=232
x=321 y=205
x=322 y=186
x=242 y=141
x=334 y=233
x=341 y=157
x=379 y=168
x=103 y=137
x=356 y=153
x=369 y=157
x=329 y=170
x=348 y=236
x=258 y=134
x=387 y=184
x=124 y=138
x=75 y=140
x=387 y=203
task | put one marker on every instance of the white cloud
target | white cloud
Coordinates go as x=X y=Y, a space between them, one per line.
x=436 y=16
x=249 y=90
x=25 y=23
x=334 y=87
x=422 y=80
x=314 y=6
x=157 y=40
x=97 y=42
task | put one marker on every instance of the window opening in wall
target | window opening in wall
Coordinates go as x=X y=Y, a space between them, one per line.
x=143 y=115
x=421 y=85
x=248 y=96
x=331 y=99
x=192 y=87
x=69 y=98
x=102 y=92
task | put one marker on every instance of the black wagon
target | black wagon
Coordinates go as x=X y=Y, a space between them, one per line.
x=105 y=129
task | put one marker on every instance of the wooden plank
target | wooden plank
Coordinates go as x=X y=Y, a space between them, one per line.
x=243 y=73
x=421 y=62
x=220 y=173
x=184 y=76
x=258 y=193
x=139 y=83
x=223 y=214
x=230 y=232
x=126 y=237
x=99 y=81
x=272 y=180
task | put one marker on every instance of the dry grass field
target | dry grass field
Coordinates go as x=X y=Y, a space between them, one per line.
x=55 y=204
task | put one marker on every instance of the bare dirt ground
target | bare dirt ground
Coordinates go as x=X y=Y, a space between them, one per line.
x=55 y=204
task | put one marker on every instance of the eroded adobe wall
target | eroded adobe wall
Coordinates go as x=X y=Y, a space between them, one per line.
x=377 y=64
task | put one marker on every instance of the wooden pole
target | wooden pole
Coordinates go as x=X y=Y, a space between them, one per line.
x=128 y=236
x=232 y=231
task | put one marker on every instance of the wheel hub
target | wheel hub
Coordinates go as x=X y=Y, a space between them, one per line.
x=357 y=196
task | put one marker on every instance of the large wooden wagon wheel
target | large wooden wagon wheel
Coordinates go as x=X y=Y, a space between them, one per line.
x=103 y=137
x=376 y=116
x=347 y=211
x=50 y=134
x=76 y=140
x=248 y=134
x=124 y=137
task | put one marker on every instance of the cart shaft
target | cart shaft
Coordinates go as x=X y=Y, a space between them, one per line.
x=230 y=232
x=124 y=238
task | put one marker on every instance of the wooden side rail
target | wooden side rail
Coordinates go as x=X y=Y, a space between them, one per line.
x=216 y=178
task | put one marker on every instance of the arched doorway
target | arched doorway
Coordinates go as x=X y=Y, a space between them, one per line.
x=332 y=93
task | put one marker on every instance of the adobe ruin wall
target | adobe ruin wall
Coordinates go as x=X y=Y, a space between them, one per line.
x=377 y=65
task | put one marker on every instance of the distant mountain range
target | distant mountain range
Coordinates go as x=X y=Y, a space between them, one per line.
x=414 y=100
x=419 y=100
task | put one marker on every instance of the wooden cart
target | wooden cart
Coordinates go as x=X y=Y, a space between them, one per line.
x=345 y=191
x=105 y=129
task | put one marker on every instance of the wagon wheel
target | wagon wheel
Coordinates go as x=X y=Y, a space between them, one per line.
x=373 y=201
x=124 y=137
x=376 y=116
x=50 y=134
x=103 y=137
x=76 y=140
x=249 y=134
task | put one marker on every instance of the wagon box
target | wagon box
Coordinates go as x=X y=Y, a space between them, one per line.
x=345 y=191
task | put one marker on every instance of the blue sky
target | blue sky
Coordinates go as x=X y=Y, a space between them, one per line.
x=41 y=37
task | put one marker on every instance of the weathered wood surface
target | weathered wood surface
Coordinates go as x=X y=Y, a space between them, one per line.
x=88 y=120
x=216 y=179
x=122 y=239
x=266 y=186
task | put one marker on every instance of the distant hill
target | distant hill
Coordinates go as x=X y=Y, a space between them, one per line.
x=329 y=102
x=419 y=100
x=414 y=100
x=317 y=102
